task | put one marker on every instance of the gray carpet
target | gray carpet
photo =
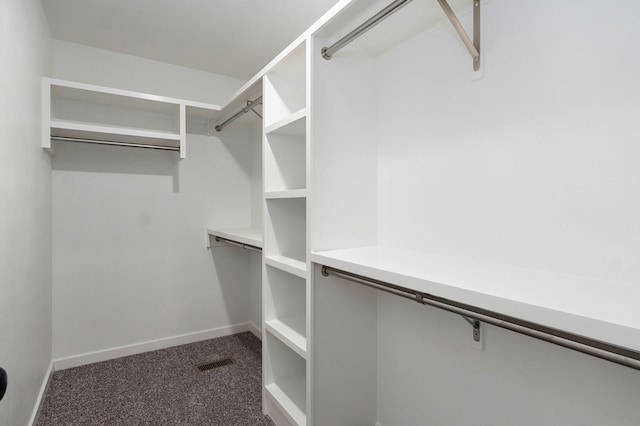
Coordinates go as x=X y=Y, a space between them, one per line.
x=163 y=388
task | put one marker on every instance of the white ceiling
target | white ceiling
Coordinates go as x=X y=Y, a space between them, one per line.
x=231 y=37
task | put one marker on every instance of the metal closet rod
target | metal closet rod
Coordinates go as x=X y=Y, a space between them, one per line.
x=327 y=52
x=116 y=143
x=250 y=106
x=472 y=46
x=606 y=351
x=237 y=244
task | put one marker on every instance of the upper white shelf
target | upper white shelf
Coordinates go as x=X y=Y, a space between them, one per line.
x=251 y=237
x=599 y=310
x=96 y=114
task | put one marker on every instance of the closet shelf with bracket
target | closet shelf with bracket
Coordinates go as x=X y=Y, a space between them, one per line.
x=87 y=113
x=245 y=237
x=596 y=310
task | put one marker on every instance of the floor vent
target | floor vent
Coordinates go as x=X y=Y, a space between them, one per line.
x=215 y=364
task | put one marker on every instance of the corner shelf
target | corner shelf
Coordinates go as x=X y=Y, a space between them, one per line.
x=288 y=264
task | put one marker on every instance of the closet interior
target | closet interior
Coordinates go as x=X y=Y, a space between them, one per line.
x=402 y=160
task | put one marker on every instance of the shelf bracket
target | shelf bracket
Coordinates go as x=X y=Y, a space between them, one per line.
x=250 y=104
x=472 y=46
x=476 y=328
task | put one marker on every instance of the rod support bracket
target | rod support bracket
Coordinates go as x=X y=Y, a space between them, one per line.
x=472 y=46
x=476 y=328
x=324 y=271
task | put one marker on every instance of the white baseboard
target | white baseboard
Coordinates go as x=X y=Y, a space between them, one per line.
x=137 y=348
x=40 y=400
x=255 y=330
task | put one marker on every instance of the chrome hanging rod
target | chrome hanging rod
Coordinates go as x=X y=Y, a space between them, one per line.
x=237 y=244
x=596 y=348
x=116 y=143
x=250 y=106
x=327 y=52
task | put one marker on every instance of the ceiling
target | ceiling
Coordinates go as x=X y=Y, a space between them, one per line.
x=230 y=37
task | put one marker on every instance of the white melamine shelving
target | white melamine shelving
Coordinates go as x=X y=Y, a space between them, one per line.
x=285 y=87
x=286 y=228
x=287 y=330
x=285 y=273
x=291 y=193
x=424 y=194
x=576 y=304
x=292 y=124
x=248 y=236
x=289 y=396
x=79 y=112
x=285 y=379
x=285 y=307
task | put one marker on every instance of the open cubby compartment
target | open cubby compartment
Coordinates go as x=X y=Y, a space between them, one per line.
x=285 y=308
x=285 y=379
x=286 y=157
x=285 y=87
x=93 y=107
x=285 y=233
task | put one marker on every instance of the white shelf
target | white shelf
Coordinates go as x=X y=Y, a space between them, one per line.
x=116 y=134
x=290 y=193
x=288 y=264
x=294 y=124
x=600 y=310
x=290 y=397
x=248 y=236
x=282 y=329
x=284 y=88
x=97 y=113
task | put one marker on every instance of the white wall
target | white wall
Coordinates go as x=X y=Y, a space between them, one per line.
x=130 y=264
x=534 y=165
x=25 y=210
x=77 y=62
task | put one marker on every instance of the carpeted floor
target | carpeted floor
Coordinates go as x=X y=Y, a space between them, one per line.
x=163 y=388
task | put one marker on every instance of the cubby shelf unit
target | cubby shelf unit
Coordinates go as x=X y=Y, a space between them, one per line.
x=286 y=349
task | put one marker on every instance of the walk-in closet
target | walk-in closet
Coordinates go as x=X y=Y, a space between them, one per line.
x=410 y=213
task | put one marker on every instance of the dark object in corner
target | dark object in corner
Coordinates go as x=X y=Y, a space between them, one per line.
x=3 y=382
